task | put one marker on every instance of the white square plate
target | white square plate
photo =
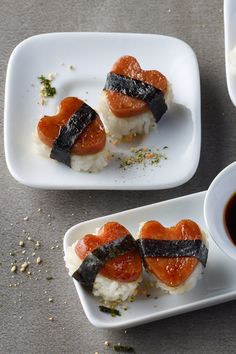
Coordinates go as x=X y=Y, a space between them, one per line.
x=230 y=43
x=217 y=285
x=93 y=54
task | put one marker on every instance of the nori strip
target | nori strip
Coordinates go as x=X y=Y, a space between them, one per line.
x=123 y=348
x=113 y=312
x=92 y=264
x=138 y=89
x=70 y=132
x=173 y=248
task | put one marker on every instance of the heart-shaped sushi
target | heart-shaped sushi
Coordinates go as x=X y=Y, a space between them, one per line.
x=108 y=264
x=74 y=136
x=175 y=256
x=133 y=100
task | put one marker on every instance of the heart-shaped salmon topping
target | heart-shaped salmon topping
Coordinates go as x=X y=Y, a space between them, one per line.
x=171 y=271
x=124 y=268
x=124 y=106
x=91 y=141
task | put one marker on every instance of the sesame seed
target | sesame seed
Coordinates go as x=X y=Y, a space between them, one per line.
x=33 y=254
x=21 y=243
x=50 y=299
x=13 y=269
x=26 y=218
x=106 y=343
x=38 y=260
x=51 y=318
x=29 y=238
x=37 y=244
x=23 y=252
x=39 y=210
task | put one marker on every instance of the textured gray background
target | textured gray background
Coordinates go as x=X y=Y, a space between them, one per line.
x=24 y=310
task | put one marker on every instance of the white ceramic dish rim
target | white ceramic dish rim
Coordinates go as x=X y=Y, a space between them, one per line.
x=199 y=304
x=229 y=76
x=19 y=178
x=222 y=241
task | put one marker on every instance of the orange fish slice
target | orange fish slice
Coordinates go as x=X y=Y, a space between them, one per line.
x=124 y=268
x=91 y=141
x=171 y=271
x=124 y=106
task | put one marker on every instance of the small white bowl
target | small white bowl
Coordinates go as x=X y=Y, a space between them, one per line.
x=217 y=197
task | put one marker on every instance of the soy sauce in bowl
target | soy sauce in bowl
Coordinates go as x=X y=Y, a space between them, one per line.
x=230 y=218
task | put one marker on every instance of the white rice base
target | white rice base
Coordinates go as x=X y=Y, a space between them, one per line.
x=86 y=163
x=109 y=290
x=190 y=282
x=120 y=127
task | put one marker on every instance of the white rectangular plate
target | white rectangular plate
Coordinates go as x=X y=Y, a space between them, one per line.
x=230 y=43
x=92 y=55
x=217 y=285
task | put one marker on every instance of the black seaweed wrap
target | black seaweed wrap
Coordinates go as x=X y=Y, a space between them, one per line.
x=138 y=89
x=173 y=248
x=92 y=264
x=70 y=132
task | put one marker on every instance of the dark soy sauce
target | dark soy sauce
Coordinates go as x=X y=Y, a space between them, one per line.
x=230 y=218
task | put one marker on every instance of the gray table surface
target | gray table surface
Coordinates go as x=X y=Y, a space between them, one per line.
x=24 y=308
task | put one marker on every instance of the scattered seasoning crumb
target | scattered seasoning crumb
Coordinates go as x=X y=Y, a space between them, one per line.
x=51 y=318
x=33 y=254
x=71 y=67
x=123 y=348
x=49 y=278
x=12 y=254
x=46 y=90
x=38 y=260
x=21 y=243
x=26 y=218
x=29 y=273
x=29 y=238
x=142 y=156
x=106 y=343
x=14 y=269
x=23 y=267
x=50 y=299
x=113 y=312
x=39 y=210
x=37 y=244
x=23 y=252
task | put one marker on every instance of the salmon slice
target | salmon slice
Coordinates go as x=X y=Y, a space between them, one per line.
x=171 y=271
x=91 y=141
x=124 y=106
x=124 y=268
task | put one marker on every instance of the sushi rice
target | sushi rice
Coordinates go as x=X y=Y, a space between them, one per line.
x=118 y=128
x=110 y=290
x=86 y=163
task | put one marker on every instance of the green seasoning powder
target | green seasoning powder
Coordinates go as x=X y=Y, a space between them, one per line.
x=47 y=90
